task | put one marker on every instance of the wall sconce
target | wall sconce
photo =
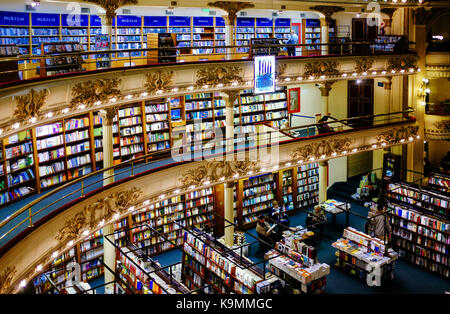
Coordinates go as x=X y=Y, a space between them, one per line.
x=424 y=90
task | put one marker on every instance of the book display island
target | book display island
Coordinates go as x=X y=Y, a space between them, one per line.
x=365 y=257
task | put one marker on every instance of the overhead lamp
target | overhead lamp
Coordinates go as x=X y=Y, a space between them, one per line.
x=175 y=89
x=49 y=114
x=364 y=73
x=39 y=267
x=114 y=99
x=23 y=284
x=33 y=119
x=383 y=72
x=354 y=150
x=311 y=77
x=131 y=208
x=192 y=187
x=374 y=146
x=354 y=73
x=393 y=71
x=312 y=158
x=16 y=125
x=159 y=91
x=162 y=196
x=288 y=164
x=81 y=107
x=334 y=154
x=55 y=254
x=144 y=94
x=323 y=76
x=383 y=144
x=299 y=78
x=374 y=72
x=128 y=97
x=300 y=161
x=65 y=110
x=358 y=81
x=146 y=202
x=176 y=191
x=190 y=88
x=222 y=179
x=411 y=70
x=206 y=182
x=402 y=140
x=344 y=75
x=85 y=232
x=35 y=3
x=70 y=243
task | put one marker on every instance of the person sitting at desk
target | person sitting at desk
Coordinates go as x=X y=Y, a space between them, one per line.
x=318 y=217
x=281 y=218
x=265 y=231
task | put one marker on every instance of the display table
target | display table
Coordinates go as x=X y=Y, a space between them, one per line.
x=308 y=278
x=297 y=234
x=364 y=257
x=335 y=208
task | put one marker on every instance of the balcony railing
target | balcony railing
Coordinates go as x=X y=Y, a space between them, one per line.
x=54 y=201
x=54 y=65
x=441 y=108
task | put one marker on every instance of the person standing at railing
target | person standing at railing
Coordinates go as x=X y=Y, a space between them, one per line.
x=291 y=40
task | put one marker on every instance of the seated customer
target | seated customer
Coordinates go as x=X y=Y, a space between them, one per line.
x=318 y=217
x=264 y=230
x=281 y=218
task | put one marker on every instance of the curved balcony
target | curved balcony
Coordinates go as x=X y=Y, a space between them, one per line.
x=59 y=219
x=78 y=92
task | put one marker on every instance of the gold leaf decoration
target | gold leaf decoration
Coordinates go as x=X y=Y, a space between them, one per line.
x=158 y=80
x=218 y=75
x=111 y=6
x=101 y=210
x=398 y=64
x=363 y=65
x=394 y=135
x=90 y=92
x=232 y=8
x=6 y=277
x=328 y=11
x=214 y=170
x=442 y=125
x=29 y=105
x=324 y=147
x=318 y=68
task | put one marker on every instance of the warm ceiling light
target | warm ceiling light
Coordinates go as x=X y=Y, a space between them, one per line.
x=300 y=161
x=159 y=91
x=114 y=99
x=85 y=232
x=402 y=140
x=364 y=73
x=70 y=243
x=144 y=94
x=287 y=79
x=374 y=146
x=23 y=284
x=288 y=164
x=33 y=119
x=49 y=114
x=374 y=72
x=312 y=158
x=146 y=202
x=162 y=196
x=344 y=75
x=39 y=267
x=383 y=144
x=299 y=78
x=16 y=125
x=81 y=107
x=175 y=89
x=176 y=191
x=128 y=97
x=393 y=71
x=192 y=187
x=354 y=150
x=354 y=73
x=131 y=208
x=65 y=110
x=334 y=154
x=323 y=76
x=383 y=72
x=55 y=254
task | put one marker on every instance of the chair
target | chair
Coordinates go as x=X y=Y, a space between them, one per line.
x=263 y=246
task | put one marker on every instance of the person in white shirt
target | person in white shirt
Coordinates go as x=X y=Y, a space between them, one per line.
x=292 y=40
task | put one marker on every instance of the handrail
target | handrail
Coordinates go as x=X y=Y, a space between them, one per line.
x=352 y=48
x=132 y=162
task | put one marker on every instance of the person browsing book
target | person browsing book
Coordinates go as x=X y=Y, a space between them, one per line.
x=265 y=230
x=380 y=224
x=291 y=40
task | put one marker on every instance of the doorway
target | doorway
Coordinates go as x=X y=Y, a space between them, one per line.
x=360 y=102
x=363 y=32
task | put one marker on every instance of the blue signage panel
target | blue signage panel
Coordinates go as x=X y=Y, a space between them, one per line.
x=179 y=21
x=96 y=20
x=203 y=21
x=245 y=21
x=313 y=22
x=264 y=22
x=220 y=21
x=282 y=22
x=155 y=21
x=74 y=20
x=128 y=20
x=44 y=19
x=14 y=18
x=264 y=73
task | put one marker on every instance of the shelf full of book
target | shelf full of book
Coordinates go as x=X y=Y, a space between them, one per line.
x=420 y=226
x=439 y=182
x=208 y=262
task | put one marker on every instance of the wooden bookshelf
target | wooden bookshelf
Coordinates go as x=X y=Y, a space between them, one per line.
x=420 y=224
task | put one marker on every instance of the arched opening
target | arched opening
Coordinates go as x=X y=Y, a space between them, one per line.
x=438 y=33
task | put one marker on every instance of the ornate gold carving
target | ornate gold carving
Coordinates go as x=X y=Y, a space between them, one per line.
x=6 y=277
x=442 y=125
x=319 y=68
x=158 y=80
x=325 y=88
x=394 y=135
x=233 y=95
x=328 y=11
x=214 y=170
x=218 y=75
x=324 y=147
x=90 y=92
x=30 y=104
x=101 y=210
x=232 y=8
x=363 y=65
x=108 y=115
x=401 y=63
x=111 y=6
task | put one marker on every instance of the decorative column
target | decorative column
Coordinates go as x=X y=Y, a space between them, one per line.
x=230 y=98
x=232 y=8
x=107 y=116
x=328 y=11
x=109 y=257
x=325 y=89
x=323 y=181
x=415 y=150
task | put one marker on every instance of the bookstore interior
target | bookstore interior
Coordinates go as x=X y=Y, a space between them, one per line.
x=331 y=218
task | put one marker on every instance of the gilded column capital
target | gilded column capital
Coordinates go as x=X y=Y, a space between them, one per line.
x=110 y=7
x=323 y=163
x=107 y=115
x=328 y=11
x=232 y=96
x=232 y=8
x=325 y=88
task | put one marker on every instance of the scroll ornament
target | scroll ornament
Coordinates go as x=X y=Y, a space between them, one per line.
x=158 y=80
x=213 y=171
x=318 y=68
x=218 y=75
x=30 y=105
x=90 y=92
x=101 y=210
x=397 y=134
x=324 y=147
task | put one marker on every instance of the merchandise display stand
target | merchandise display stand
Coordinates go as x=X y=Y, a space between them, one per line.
x=299 y=267
x=364 y=256
x=335 y=208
